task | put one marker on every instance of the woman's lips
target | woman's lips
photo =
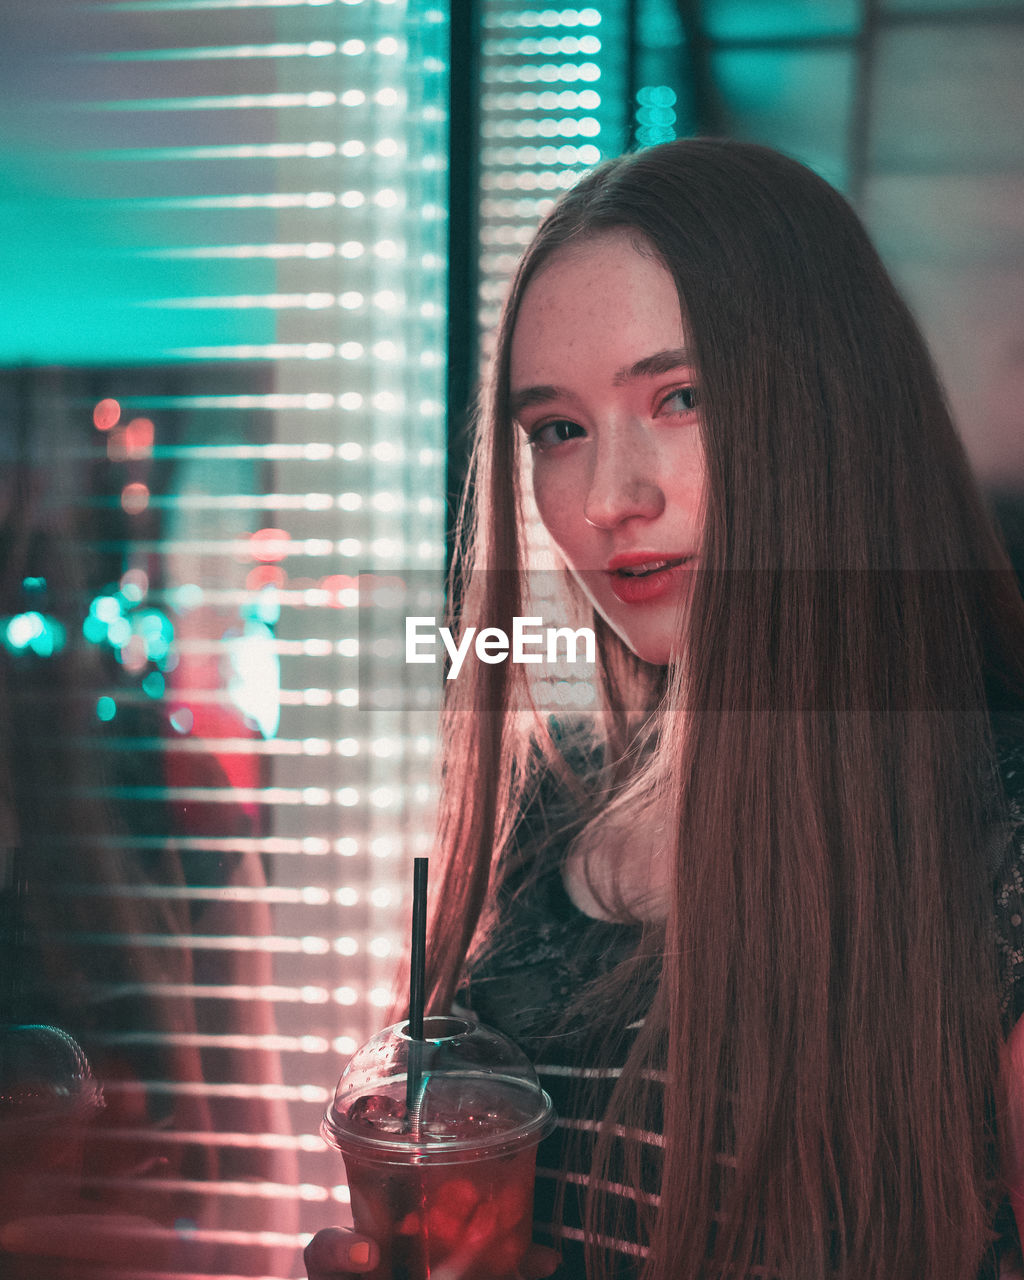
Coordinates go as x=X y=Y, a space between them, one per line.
x=645 y=578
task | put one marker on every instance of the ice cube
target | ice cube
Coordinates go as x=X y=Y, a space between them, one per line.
x=378 y=1112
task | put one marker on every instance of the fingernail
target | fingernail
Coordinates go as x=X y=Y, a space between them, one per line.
x=359 y=1254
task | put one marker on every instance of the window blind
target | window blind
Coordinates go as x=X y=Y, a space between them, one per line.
x=246 y=204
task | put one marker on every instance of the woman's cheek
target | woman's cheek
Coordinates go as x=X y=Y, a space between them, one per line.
x=559 y=493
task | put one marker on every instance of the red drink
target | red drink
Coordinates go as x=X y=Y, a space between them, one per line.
x=446 y=1191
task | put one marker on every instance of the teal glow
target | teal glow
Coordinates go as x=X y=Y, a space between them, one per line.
x=33 y=584
x=106 y=608
x=154 y=685
x=266 y=608
x=655 y=116
x=156 y=630
x=656 y=96
x=44 y=636
x=769 y=91
x=67 y=295
x=755 y=20
x=106 y=709
x=119 y=632
x=94 y=629
x=23 y=629
x=659 y=26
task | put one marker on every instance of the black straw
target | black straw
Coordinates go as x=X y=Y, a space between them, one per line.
x=417 y=981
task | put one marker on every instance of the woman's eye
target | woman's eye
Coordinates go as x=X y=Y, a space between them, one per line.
x=552 y=433
x=683 y=400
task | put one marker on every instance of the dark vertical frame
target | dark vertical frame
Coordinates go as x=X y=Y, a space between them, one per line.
x=860 y=116
x=706 y=114
x=463 y=245
x=632 y=72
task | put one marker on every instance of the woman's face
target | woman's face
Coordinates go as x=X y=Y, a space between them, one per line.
x=605 y=391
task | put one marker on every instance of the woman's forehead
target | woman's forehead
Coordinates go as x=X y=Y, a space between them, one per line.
x=596 y=298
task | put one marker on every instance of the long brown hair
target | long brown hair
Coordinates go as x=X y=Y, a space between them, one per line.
x=826 y=1006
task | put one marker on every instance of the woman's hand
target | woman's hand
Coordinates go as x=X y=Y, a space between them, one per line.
x=335 y=1254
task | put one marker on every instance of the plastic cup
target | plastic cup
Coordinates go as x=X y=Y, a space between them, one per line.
x=444 y=1188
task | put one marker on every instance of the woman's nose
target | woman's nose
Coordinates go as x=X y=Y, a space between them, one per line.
x=624 y=483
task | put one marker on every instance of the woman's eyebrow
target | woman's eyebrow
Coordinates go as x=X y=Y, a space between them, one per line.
x=647 y=367
x=543 y=394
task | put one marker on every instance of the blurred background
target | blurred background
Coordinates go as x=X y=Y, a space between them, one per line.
x=250 y=251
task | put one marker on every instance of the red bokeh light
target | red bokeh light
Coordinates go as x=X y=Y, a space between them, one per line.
x=334 y=584
x=138 y=437
x=106 y=414
x=269 y=544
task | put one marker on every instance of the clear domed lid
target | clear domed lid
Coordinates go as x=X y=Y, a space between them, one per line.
x=44 y=1076
x=473 y=1091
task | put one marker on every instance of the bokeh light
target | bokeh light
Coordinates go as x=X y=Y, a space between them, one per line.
x=106 y=415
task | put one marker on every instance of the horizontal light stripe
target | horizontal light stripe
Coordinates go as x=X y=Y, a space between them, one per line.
x=241 y=1190
x=312 y=896
x=204 y=1138
x=222 y=746
x=250 y=200
x=603 y=1242
x=195 y=991
x=612 y=1188
x=312 y=452
x=286 y=598
x=310 y=249
x=281 y=549
x=205 y=942
x=311 y=400
x=313 y=49
x=223 y=102
x=264 y=1043
x=620 y=1131
x=579 y=1073
x=594 y=1073
x=211 y=795
x=261 y=1092
x=223 y=1235
x=112 y=1271
x=244 y=302
x=176 y=6
x=312 y=845
x=214 y=697
x=244 y=502
x=257 y=351
x=246 y=151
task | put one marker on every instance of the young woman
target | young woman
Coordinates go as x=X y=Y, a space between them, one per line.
x=759 y=921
